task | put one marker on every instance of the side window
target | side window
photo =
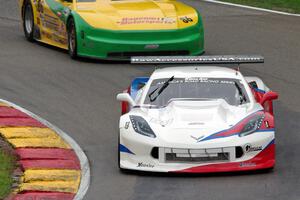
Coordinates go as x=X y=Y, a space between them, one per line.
x=139 y=95
x=255 y=91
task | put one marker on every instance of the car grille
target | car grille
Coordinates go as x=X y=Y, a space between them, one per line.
x=169 y=155
x=147 y=53
x=186 y=158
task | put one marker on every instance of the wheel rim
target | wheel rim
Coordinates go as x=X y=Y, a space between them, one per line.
x=28 y=19
x=72 y=39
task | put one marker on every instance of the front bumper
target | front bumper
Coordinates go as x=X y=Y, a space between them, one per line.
x=139 y=154
x=109 y=44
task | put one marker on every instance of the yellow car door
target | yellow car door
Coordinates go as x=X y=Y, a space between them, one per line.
x=53 y=28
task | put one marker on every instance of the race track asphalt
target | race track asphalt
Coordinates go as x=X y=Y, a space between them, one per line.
x=79 y=97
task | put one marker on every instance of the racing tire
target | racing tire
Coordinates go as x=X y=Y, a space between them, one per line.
x=72 y=39
x=28 y=21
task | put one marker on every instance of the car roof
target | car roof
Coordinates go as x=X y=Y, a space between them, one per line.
x=196 y=71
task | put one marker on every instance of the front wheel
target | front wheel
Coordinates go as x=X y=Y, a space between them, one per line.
x=28 y=21
x=72 y=39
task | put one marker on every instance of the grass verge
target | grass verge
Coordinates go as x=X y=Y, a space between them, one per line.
x=7 y=165
x=290 y=6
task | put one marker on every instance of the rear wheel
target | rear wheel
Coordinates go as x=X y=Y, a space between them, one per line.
x=72 y=40
x=28 y=21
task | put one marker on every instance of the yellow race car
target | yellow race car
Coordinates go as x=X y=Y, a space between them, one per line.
x=114 y=29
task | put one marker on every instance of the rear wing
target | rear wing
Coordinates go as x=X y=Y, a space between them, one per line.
x=219 y=59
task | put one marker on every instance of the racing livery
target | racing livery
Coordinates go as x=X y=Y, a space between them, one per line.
x=197 y=119
x=108 y=29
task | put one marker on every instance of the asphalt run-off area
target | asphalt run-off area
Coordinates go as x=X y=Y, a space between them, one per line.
x=79 y=98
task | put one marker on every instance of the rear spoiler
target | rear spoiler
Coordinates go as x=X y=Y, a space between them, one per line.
x=220 y=59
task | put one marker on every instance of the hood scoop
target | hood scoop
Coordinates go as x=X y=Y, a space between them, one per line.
x=197 y=114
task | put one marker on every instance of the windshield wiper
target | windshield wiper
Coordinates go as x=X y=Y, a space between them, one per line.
x=160 y=89
x=242 y=95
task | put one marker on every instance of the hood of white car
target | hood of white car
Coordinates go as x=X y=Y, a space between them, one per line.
x=192 y=120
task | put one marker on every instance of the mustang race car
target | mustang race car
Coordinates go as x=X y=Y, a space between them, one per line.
x=114 y=29
x=197 y=118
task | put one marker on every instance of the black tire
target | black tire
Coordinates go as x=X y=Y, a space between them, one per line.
x=28 y=21
x=72 y=39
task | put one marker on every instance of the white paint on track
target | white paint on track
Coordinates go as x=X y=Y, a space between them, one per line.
x=84 y=163
x=252 y=8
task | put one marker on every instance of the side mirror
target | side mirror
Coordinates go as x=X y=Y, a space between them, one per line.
x=126 y=97
x=269 y=96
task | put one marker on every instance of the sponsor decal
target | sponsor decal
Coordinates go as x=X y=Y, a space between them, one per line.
x=207 y=80
x=196 y=123
x=186 y=19
x=198 y=59
x=62 y=30
x=47 y=35
x=127 y=125
x=66 y=11
x=249 y=148
x=39 y=6
x=141 y=164
x=58 y=39
x=152 y=46
x=198 y=80
x=50 y=25
x=59 y=14
x=247 y=164
x=146 y=20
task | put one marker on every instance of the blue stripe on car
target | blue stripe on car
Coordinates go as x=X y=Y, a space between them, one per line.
x=216 y=137
x=124 y=149
x=259 y=90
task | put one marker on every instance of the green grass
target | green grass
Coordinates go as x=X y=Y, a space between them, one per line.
x=7 y=164
x=291 y=6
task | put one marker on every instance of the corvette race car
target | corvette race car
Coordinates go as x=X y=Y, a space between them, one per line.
x=197 y=119
x=109 y=29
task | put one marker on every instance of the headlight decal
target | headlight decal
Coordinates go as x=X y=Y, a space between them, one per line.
x=258 y=125
x=141 y=126
x=252 y=125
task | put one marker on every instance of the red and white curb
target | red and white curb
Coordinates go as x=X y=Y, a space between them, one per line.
x=73 y=158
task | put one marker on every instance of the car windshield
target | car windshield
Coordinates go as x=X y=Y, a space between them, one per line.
x=231 y=90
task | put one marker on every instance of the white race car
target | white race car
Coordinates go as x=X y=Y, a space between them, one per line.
x=197 y=119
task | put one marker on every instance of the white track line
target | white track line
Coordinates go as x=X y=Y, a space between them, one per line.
x=84 y=163
x=252 y=8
